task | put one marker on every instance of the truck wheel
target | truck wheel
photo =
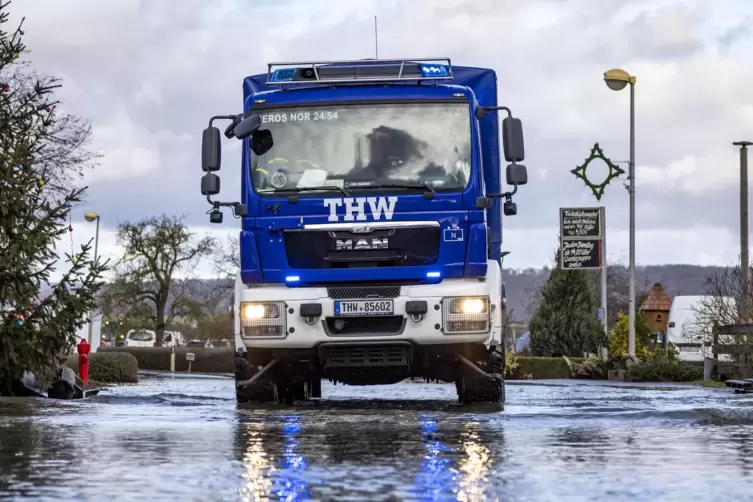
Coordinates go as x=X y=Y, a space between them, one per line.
x=261 y=391
x=284 y=394
x=473 y=389
x=316 y=388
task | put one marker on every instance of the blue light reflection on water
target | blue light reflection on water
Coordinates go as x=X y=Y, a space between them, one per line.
x=290 y=484
x=438 y=477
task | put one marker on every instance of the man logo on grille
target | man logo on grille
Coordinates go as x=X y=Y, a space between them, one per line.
x=361 y=244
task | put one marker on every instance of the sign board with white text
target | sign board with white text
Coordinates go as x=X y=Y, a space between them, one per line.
x=581 y=237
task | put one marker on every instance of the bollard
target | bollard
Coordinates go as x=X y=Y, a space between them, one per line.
x=172 y=359
x=190 y=357
x=83 y=360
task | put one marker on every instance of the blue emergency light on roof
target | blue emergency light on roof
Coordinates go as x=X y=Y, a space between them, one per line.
x=349 y=72
x=434 y=70
x=283 y=75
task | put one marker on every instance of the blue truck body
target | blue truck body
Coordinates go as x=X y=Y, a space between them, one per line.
x=469 y=236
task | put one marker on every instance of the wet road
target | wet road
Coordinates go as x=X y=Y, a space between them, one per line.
x=185 y=439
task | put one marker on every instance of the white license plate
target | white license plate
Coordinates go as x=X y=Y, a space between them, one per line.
x=364 y=308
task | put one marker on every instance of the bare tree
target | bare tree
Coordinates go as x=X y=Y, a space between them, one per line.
x=720 y=305
x=155 y=251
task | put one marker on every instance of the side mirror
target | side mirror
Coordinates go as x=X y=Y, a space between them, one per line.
x=262 y=142
x=510 y=208
x=210 y=149
x=210 y=184
x=672 y=324
x=516 y=174
x=512 y=139
x=246 y=127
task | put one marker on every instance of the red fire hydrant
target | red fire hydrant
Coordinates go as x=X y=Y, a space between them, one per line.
x=83 y=360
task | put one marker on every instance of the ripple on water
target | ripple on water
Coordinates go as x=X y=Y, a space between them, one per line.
x=185 y=439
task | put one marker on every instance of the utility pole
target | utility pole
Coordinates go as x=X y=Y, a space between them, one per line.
x=744 y=249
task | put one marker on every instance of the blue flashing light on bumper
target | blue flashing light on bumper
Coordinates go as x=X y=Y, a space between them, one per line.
x=292 y=279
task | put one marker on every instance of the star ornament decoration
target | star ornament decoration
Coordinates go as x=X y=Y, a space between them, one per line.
x=615 y=171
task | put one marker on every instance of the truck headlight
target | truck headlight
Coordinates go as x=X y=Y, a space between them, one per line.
x=465 y=315
x=263 y=320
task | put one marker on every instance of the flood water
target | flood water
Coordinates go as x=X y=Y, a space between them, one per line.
x=184 y=438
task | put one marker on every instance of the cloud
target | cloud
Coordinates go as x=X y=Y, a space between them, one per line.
x=150 y=74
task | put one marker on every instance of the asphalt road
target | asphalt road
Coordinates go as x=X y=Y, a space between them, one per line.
x=184 y=438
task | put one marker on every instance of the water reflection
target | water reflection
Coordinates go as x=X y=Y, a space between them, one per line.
x=457 y=468
x=475 y=466
x=273 y=468
x=577 y=444
x=437 y=477
x=256 y=464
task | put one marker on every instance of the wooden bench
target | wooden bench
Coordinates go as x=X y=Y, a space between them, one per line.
x=741 y=386
x=736 y=342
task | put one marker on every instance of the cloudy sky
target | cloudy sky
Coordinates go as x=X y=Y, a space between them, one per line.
x=149 y=74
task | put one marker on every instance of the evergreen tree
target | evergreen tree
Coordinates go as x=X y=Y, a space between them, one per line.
x=40 y=152
x=566 y=321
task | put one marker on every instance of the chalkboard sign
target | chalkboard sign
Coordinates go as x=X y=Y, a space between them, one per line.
x=581 y=253
x=580 y=222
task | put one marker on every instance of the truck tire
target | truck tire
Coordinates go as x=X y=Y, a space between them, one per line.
x=473 y=389
x=261 y=391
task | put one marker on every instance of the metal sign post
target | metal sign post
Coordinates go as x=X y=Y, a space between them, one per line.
x=583 y=246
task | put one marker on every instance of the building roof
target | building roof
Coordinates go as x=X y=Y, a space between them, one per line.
x=657 y=300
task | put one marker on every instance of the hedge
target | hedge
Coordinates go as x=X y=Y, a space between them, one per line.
x=214 y=360
x=108 y=368
x=665 y=370
x=540 y=368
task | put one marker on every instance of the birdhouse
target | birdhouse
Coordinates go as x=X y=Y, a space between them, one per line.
x=656 y=308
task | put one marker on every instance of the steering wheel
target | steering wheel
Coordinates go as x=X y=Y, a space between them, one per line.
x=279 y=178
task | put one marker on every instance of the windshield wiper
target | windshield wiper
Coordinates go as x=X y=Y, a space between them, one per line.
x=306 y=189
x=429 y=192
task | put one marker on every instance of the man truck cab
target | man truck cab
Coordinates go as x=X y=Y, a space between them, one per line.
x=371 y=226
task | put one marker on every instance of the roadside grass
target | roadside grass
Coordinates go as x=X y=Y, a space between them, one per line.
x=707 y=383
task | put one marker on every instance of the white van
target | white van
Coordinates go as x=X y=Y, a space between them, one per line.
x=140 y=338
x=148 y=337
x=689 y=329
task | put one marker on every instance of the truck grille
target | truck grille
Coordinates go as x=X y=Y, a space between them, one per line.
x=396 y=247
x=371 y=291
x=388 y=325
x=363 y=356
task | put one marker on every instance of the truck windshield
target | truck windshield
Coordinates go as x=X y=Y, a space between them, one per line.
x=363 y=145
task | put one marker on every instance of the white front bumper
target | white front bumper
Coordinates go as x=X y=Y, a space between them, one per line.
x=425 y=332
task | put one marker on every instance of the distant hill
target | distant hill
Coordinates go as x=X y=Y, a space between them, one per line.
x=522 y=284
x=676 y=279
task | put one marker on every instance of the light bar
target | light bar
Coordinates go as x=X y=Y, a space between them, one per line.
x=366 y=70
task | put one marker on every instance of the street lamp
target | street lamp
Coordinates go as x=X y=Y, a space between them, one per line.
x=617 y=80
x=92 y=216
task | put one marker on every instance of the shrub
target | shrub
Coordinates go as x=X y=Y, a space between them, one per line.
x=664 y=369
x=214 y=360
x=540 y=368
x=108 y=367
x=618 y=341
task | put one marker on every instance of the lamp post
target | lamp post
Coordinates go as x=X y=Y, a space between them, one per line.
x=744 y=252
x=617 y=80
x=91 y=216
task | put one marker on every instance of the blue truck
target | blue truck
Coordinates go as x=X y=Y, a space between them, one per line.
x=371 y=226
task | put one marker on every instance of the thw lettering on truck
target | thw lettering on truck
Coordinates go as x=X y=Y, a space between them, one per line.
x=360 y=208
